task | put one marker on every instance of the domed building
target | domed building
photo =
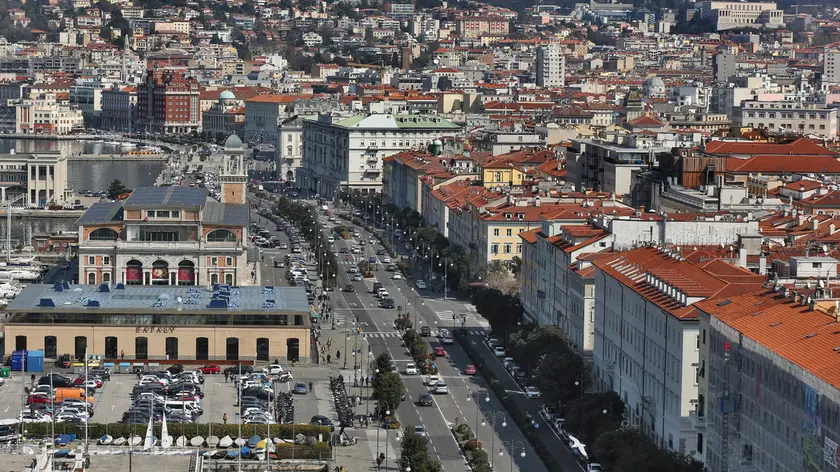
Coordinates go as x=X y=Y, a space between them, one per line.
x=226 y=116
x=654 y=87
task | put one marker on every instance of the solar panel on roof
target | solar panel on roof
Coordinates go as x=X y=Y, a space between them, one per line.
x=46 y=302
x=217 y=304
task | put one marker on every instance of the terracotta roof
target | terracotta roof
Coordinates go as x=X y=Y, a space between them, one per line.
x=807 y=338
x=276 y=98
x=802 y=146
x=645 y=120
x=784 y=164
x=530 y=235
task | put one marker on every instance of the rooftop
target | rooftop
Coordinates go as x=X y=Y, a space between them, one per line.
x=158 y=298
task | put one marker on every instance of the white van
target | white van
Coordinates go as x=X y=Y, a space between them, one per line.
x=189 y=408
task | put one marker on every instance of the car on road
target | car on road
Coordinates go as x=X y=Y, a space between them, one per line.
x=343 y=250
x=499 y=351
x=441 y=387
x=284 y=246
x=353 y=270
x=448 y=340
x=321 y=420
x=396 y=276
x=357 y=277
x=425 y=399
x=440 y=351
x=532 y=392
x=594 y=467
x=273 y=369
x=421 y=285
x=432 y=380
x=469 y=370
x=386 y=260
x=410 y=369
x=349 y=288
x=300 y=389
x=420 y=430
x=492 y=342
x=425 y=331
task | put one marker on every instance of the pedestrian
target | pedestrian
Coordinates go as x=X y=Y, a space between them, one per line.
x=122 y=354
x=310 y=387
x=338 y=355
x=329 y=358
x=224 y=418
x=378 y=463
x=226 y=376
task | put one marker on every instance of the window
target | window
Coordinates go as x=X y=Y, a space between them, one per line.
x=163 y=214
x=816 y=265
x=214 y=261
x=494 y=249
x=507 y=248
x=91 y=260
x=91 y=278
x=103 y=234
x=229 y=261
x=106 y=260
x=221 y=236
x=176 y=214
x=496 y=232
x=510 y=232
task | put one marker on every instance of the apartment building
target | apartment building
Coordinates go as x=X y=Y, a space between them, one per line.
x=41 y=176
x=289 y=147
x=831 y=66
x=171 y=235
x=476 y=26
x=551 y=65
x=647 y=335
x=605 y=166
x=168 y=102
x=42 y=114
x=787 y=116
x=769 y=397
x=119 y=106
x=347 y=152
x=728 y=15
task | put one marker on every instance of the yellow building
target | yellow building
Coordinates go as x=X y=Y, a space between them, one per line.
x=502 y=173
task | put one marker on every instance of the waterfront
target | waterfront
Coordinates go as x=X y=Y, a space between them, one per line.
x=68 y=146
x=96 y=175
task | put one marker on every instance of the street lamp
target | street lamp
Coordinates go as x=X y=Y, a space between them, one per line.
x=494 y=416
x=478 y=408
x=512 y=444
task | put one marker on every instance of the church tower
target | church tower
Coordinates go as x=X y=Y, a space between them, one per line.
x=233 y=178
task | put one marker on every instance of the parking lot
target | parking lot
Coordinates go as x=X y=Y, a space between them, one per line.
x=114 y=398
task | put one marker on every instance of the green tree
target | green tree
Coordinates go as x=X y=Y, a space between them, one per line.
x=382 y=363
x=557 y=373
x=593 y=415
x=116 y=189
x=414 y=450
x=387 y=389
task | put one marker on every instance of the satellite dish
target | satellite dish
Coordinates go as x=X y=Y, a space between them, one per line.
x=436 y=61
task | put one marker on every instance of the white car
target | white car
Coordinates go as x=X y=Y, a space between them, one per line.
x=420 y=430
x=396 y=276
x=448 y=340
x=410 y=369
x=355 y=250
x=273 y=369
x=595 y=467
x=532 y=392
x=432 y=381
x=440 y=387
x=386 y=260
x=421 y=285
x=499 y=351
x=355 y=234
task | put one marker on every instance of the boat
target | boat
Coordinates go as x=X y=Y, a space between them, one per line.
x=135 y=440
x=219 y=454
x=208 y=454
x=63 y=440
x=106 y=440
x=240 y=441
x=212 y=441
x=252 y=441
x=226 y=442
x=181 y=441
x=62 y=453
x=8 y=290
x=232 y=454
x=119 y=441
x=21 y=274
x=149 y=440
x=245 y=452
x=166 y=439
x=197 y=441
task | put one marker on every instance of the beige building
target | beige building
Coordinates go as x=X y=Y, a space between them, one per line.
x=42 y=177
x=220 y=323
x=43 y=115
x=729 y=15
x=172 y=235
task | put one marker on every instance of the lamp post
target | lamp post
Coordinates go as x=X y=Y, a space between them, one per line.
x=379 y=426
x=407 y=461
x=493 y=416
x=478 y=409
x=512 y=445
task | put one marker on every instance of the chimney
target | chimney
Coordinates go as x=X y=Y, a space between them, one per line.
x=742 y=257
x=831 y=228
x=762 y=265
x=812 y=304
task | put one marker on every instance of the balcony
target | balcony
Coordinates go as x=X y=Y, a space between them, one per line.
x=609 y=367
x=372 y=170
x=696 y=420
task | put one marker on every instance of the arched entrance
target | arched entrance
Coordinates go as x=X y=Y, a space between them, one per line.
x=20 y=343
x=134 y=272
x=50 y=347
x=290 y=176
x=111 y=347
x=172 y=347
x=80 y=347
x=293 y=349
x=232 y=349
x=186 y=273
x=141 y=347
x=202 y=349
x=262 y=349
x=160 y=272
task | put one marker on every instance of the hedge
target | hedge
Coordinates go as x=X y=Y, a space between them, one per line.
x=190 y=430
x=519 y=417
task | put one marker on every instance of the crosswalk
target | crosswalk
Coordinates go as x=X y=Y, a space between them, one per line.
x=395 y=334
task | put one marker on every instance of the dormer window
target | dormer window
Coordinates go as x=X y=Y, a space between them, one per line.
x=508 y=216
x=521 y=216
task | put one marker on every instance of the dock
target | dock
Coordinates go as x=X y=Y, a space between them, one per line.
x=118 y=157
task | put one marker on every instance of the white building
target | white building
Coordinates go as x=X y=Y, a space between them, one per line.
x=787 y=116
x=289 y=147
x=347 y=152
x=728 y=15
x=831 y=66
x=551 y=66
x=646 y=346
x=42 y=177
x=44 y=116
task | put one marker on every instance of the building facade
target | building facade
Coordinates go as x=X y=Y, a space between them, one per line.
x=168 y=102
x=43 y=115
x=728 y=15
x=347 y=153
x=787 y=116
x=119 y=108
x=42 y=177
x=551 y=66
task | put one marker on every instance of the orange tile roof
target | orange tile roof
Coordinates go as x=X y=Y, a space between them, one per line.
x=278 y=98
x=802 y=146
x=784 y=164
x=807 y=338
x=530 y=235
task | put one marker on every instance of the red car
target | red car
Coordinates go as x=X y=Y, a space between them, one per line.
x=81 y=380
x=470 y=370
x=439 y=352
x=210 y=369
x=37 y=398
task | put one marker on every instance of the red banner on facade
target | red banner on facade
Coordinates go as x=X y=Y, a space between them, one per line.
x=185 y=274
x=133 y=274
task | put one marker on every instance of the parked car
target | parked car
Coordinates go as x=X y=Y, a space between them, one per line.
x=237 y=369
x=432 y=380
x=499 y=351
x=320 y=420
x=421 y=285
x=532 y=392
x=210 y=369
x=470 y=370
x=300 y=389
x=448 y=340
x=410 y=369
